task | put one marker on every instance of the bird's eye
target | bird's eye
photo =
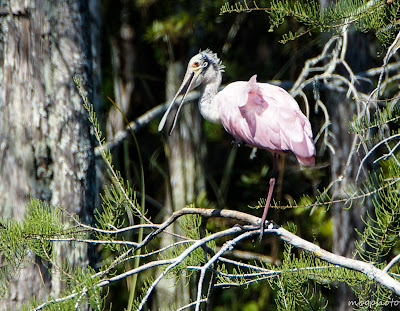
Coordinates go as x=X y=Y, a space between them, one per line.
x=196 y=64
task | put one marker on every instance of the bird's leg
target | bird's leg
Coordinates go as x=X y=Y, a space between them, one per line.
x=270 y=191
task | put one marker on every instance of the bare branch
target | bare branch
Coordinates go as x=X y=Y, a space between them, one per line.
x=251 y=256
x=140 y=122
x=251 y=229
x=372 y=150
x=191 y=304
x=228 y=245
x=187 y=252
x=368 y=269
x=392 y=263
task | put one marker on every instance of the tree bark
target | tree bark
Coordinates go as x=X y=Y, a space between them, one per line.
x=46 y=150
x=346 y=221
x=341 y=111
x=123 y=62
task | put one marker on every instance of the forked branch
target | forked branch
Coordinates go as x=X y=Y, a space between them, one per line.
x=249 y=228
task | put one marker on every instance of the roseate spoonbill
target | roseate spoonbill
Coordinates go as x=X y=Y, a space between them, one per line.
x=260 y=115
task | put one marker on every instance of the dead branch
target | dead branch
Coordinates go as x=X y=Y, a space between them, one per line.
x=249 y=229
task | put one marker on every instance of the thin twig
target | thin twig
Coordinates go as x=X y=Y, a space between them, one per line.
x=391 y=263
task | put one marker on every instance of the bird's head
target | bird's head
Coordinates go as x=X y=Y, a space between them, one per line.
x=201 y=68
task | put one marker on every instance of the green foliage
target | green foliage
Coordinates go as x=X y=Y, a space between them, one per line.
x=34 y=233
x=115 y=204
x=33 y=236
x=13 y=251
x=146 y=284
x=293 y=287
x=365 y=16
x=85 y=280
x=42 y=221
x=382 y=229
x=171 y=29
x=381 y=118
x=82 y=291
x=298 y=285
x=189 y=225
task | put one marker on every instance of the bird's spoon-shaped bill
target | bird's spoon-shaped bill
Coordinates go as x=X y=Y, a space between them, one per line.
x=188 y=80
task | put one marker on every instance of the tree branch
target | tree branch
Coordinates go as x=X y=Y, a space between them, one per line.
x=140 y=122
x=368 y=269
x=250 y=229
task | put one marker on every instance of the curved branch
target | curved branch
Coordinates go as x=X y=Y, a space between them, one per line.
x=372 y=272
x=251 y=228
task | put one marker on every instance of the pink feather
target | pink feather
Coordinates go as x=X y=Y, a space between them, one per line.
x=266 y=116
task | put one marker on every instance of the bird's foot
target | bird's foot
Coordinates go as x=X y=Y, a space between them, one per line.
x=270 y=225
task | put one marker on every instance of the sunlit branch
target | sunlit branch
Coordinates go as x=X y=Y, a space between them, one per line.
x=392 y=263
x=180 y=243
x=248 y=255
x=390 y=52
x=91 y=241
x=140 y=122
x=372 y=272
x=373 y=149
x=229 y=244
x=191 y=304
x=186 y=253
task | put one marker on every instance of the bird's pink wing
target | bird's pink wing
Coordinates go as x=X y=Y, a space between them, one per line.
x=266 y=116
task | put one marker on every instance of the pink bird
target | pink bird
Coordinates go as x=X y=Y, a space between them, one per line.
x=260 y=115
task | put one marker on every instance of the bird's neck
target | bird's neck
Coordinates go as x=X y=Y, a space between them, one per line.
x=209 y=108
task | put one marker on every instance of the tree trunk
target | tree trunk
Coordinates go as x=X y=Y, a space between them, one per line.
x=341 y=112
x=185 y=152
x=46 y=150
x=123 y=61
x=346 y=221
